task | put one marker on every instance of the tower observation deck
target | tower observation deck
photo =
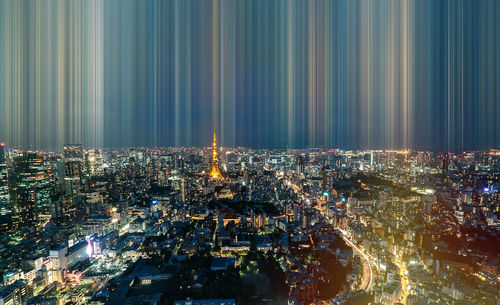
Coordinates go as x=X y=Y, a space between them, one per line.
x=215 y=172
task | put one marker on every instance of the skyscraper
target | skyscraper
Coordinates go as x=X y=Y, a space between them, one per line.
x=93 y=161
x=5 y=202
x=300 y=164
x=5 y=207
x=32 y=187
x=73 y=168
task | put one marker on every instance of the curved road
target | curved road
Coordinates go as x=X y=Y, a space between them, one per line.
x=367 y=283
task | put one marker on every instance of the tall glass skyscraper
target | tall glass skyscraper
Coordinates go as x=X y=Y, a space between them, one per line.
x=73 y=168
x=5 y=207
x=5 y=203
x=32 y=187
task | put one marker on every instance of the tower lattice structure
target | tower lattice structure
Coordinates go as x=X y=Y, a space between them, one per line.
x=215 y=172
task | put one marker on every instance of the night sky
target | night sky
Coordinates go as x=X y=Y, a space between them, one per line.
x=421 y=74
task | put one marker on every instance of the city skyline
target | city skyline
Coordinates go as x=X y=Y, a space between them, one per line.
x=227 y=226
x=242 y=152
x=266 y=74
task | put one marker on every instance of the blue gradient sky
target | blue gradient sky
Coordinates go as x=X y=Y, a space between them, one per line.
x=421 y=74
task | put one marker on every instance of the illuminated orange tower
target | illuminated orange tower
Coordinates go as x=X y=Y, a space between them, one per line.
x=215 y=172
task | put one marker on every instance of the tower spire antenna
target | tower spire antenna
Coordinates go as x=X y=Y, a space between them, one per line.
x=215 y=172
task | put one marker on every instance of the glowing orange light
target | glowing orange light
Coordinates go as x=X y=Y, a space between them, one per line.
x=215 y=172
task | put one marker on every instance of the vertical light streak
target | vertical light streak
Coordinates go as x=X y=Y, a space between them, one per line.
x=177 y=72
x=366 y=72
x=405 y=73
x=311 y=77
x=390 y=77
x=215 y=64
x=348 y=73
x=221 y=106
x=95 y=73
x=38 y=134
x=291 y=74
x=61 y=81
x=187 y=80
x=327 y=81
